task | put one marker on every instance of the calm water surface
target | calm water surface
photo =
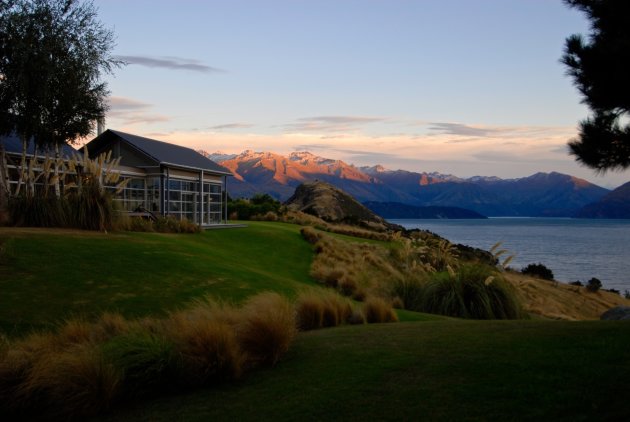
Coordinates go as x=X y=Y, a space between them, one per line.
x=574 y=249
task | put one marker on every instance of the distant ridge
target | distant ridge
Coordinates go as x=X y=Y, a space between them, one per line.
x=615 y=204
x=398 y=210
x=539 y=195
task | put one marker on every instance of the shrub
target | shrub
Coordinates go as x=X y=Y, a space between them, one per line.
x=310 y=235
x=409 y=290
x=309 y=312
x=147 y=362
x=258 y=205
x=538 y=270
x=75 y=381
x=170 y=224
x=377 y=310
x=319 y=309
x=208 y=350
x=267 y=329
x=626 y=294
x=476 y=291
x=593 y=285
x=576 y=283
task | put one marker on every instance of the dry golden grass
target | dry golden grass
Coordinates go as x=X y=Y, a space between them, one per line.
x=320 y=309
x=356 y=270
x=84 y=367
x=267 y=328
x=550 y=299
x=378 y=310
x=208 y=349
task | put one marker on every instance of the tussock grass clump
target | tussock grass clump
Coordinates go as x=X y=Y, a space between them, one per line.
x=310 y=235
x=320 y=309
x=409 y=291
x=148 y=362
x=84 y=367
x=377 y=310
x=267 y=328
x=475 y=291
x=354 y=269
x=208 y=351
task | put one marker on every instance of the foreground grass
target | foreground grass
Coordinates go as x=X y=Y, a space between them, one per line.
x=47 y=276
x=446 y=370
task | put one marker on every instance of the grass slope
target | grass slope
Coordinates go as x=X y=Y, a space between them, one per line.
x=46 y=276
x=446 y=370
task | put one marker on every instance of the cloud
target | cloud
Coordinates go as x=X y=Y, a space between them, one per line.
x=117 y=104
x=331 y=123
x=462 y=129
x=231 y=126
x=173 y=63
x=128 y=111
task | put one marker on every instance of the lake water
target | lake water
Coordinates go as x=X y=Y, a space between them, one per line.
x=574 y=249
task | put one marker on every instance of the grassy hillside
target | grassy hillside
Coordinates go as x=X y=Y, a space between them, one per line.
x=47 y=275
x=435 y=369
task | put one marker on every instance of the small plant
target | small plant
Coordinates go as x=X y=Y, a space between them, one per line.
x=593 y=285
x=497 y=254
x=538 y=270
x=576 y=283
x=267 y=328
x=475 y=291
x=377 y=310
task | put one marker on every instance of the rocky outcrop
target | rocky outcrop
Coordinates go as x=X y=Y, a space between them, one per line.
x=618 y=313
x=331 y=204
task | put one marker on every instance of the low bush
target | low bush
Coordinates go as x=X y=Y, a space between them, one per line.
x=576 y=283
x=593 y=285
x=258 y=206
x=85 y=367
x=475 y=291
x=409 y=291
x=538 y=270
x=146 y=361
x=207 y=348
x=326 y=308
x=267 y=328
x=377 y=310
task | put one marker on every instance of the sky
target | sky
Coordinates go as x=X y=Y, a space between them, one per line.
x=454 y=86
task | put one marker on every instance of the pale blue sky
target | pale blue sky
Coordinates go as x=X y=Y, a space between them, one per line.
x=456 y=86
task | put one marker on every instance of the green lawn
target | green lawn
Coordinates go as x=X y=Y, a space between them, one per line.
x=427 y=368
x=46 y=277
x=446 y=370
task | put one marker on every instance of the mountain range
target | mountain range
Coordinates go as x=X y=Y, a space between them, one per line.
x=542 y=194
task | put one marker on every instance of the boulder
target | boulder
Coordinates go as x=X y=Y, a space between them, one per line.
x=618 y=313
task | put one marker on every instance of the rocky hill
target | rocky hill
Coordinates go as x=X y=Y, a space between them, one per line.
x=331 y=204
x=615 y=204
x=542 y=194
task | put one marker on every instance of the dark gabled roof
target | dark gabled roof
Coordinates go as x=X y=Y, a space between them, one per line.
x=13 y=145
x=165 y=153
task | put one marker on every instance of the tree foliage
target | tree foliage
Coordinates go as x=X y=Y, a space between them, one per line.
x=599 y=70
x=53 y=54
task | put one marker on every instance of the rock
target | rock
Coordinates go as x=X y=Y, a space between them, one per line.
x=618 y=313
x=331 y=204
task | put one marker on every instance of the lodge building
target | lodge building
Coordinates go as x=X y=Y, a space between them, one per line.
x=165 y=179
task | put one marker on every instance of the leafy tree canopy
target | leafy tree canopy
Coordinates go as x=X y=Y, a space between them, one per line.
x=598 y=66
x=53 y=54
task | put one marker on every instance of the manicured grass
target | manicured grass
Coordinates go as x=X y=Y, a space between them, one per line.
x=443 y=370
x=427 y=367
x=46 y=276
